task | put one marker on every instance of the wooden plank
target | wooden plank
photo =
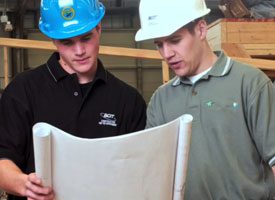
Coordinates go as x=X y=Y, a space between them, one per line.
x=251 y=32
x=119 y=51
x=261 y=52
x=250 y=37
x=130 y=52
x=260 y=49
x=29 y=44
x=256 y=36
x=247 y=20
x=262 y=64
x=235 y=50
x=6 y=66
x=223 y=32
x=248 y=26
x=104 y=50
x=165 y=72
x=263 y=46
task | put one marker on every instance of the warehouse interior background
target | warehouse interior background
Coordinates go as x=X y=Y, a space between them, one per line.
x=19 y=19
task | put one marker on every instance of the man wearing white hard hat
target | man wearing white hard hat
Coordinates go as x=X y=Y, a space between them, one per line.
x=232 y=150
x=72 y=91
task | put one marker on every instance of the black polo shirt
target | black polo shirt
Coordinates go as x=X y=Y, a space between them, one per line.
x=107 y=107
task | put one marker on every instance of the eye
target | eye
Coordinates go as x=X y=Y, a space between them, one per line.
x=66 y=42
x=158 y=45
x=86 y=38
x=175 y=40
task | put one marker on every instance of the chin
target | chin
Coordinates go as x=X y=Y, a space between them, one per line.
x=180 y=73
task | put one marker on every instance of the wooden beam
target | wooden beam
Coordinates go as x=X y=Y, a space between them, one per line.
x=28 y=44
x=165 y=72
x=265 y=49
x=234 y=50
x=104 y=50
x=130 y=52
x=262 y=64
x=6 y=66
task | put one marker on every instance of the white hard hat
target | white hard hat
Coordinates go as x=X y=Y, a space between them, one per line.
x=161 y=18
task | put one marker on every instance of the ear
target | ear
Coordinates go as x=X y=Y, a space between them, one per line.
x=202 y=29
x=98 y=28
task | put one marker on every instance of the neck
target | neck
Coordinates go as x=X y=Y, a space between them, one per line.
x=85 y=77
x=208 y=58
x=82 y=79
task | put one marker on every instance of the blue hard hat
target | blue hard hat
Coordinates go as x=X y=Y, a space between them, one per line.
x=61 y=19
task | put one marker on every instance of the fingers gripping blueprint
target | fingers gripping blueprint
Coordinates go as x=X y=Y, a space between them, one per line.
x=144 y=165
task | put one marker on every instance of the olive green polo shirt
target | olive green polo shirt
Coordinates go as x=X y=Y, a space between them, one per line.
x=233 y=132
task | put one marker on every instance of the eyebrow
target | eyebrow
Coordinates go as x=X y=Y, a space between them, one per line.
x=174 y=37
x=88 y=34
x=83 y=36
x=168 y=38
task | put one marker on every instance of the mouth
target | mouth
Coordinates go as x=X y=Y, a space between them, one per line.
x=174 y=65
x=82 y=60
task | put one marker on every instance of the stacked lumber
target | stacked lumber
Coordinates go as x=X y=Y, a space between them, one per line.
x=248 y=40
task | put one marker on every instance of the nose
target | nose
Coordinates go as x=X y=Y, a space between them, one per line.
x=167 y=52
x=79 y=49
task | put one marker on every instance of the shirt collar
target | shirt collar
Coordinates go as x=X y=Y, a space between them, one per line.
x=220 y=68
x=57 y=72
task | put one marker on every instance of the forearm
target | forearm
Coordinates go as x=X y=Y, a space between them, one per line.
x=273 y=169
x=12 y=180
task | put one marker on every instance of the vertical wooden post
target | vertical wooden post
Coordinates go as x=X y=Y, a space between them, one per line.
x=6 y=66
x=165 y=72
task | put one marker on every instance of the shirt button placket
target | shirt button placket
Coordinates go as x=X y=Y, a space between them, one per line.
x=194 y=104
x=194 y=92
x=75 y=94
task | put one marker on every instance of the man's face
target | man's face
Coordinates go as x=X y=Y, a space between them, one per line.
x=79 y=54
x=182 y=51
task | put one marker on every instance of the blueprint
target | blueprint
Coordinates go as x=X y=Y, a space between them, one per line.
x=145 y=165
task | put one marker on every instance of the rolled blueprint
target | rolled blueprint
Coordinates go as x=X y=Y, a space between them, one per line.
x=139 y=165
x=42 y=156
x=182 y=156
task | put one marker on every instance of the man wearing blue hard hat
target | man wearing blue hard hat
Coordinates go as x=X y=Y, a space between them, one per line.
x=232 y=149
x=71 y=91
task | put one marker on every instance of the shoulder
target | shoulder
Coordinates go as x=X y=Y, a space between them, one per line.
x=167 y=87
x=249 y=74
x=25 y=81
x=251 y=80
x=29 y=75
x=245 y=68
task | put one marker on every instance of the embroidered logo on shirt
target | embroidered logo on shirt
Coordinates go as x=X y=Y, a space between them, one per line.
x=107 y=119
x=235 y=105
x=210 y=103
x=231 y=105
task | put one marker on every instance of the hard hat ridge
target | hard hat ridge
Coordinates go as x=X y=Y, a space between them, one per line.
x=160 y=18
